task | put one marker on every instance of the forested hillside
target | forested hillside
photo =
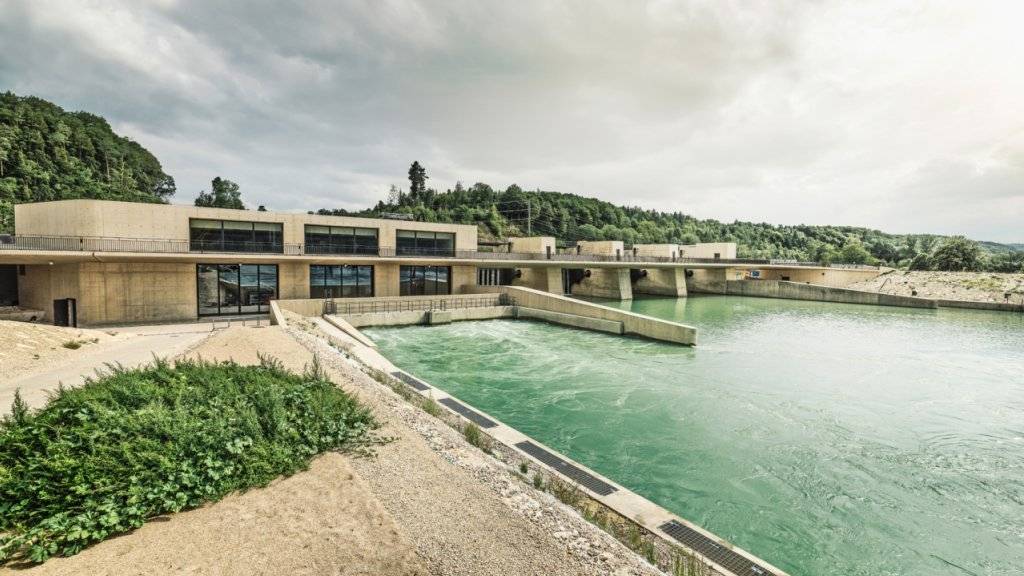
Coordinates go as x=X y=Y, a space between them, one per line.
x=570 y=217
x=49 y=154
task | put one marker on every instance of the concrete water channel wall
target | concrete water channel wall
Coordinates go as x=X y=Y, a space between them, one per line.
x=491 y=302
x=510 y=445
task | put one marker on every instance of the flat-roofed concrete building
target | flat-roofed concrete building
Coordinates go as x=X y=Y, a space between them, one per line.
x=95 y=262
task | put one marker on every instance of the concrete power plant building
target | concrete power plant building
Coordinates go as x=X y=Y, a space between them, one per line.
x=94 y=262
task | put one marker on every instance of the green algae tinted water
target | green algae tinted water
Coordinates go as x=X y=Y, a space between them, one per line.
x=827 y=439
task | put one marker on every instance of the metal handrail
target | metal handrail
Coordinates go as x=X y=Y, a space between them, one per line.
x=153 y=245
x=369 y=307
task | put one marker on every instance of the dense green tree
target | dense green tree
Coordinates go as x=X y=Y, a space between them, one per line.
x=224 y=194
x=956 y=254
x=49 y=154
x=853 y=252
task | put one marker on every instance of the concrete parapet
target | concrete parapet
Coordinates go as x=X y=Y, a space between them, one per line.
x=276 y=317
x=798 y=291
x=439 y=317
x=632 y=323
x=584 y=322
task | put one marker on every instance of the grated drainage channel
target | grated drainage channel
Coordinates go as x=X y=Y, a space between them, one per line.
x=721 y=555
x=471 y=415
x=411 y=380
x=585 y=479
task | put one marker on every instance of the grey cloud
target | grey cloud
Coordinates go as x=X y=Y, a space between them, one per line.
x=788 y=112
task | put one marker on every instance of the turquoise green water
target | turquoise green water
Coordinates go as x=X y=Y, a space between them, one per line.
x=827 y=439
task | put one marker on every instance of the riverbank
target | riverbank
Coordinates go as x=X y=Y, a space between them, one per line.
x=426 y=503
x=964 y=286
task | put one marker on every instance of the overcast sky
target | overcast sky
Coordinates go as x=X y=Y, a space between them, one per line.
x=903 y=116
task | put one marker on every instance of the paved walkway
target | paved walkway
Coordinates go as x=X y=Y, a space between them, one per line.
x=165 y=341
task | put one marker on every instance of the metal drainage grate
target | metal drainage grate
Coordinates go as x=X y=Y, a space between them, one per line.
x=471 y=415
x=411 y=380
x=721 y=555
x=585 y=479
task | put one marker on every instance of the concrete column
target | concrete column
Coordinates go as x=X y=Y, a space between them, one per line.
x=662 y=282
x=606 y=283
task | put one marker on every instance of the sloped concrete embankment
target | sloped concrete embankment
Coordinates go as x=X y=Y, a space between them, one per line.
x=798 y=291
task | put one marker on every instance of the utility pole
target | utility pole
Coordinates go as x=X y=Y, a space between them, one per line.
x=529 y=220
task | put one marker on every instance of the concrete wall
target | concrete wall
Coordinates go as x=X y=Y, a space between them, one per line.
x=42 y=284
x=710 y=281
x=998 y=306
x=632 y=323
x=109 y=219
x=572 y=320
x=533 y=244
x=546 y=278
x=833 y=277
x=658 y=250
x=115 y=293
x=726 y=250
x=611 y=283
x=423 y=316
x=662 y=282
x=602 y=247
x=797 y=291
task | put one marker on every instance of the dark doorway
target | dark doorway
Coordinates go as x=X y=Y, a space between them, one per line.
x=572 y=276
x=65 y=312
x=8 y=285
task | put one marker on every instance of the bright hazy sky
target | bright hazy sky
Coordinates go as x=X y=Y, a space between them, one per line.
x=903 y=116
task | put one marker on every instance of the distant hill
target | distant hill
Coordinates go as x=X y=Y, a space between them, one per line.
x=49 y=154
x=569 y=217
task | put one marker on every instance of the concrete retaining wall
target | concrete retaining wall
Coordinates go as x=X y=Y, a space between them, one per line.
x=595 y=324
x=798 y=291
x=999 y=306
x=632 y=323
x=408 y=317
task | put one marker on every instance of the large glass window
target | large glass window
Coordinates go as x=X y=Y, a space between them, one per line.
x=424 y=280
x=419 y=243
x=340 y=281
x=340 y=240
x=235 y=236
x=235 y=288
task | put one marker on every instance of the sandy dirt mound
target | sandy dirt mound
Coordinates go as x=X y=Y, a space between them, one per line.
x=973 y=286
x=27 y=348
x=322 y=521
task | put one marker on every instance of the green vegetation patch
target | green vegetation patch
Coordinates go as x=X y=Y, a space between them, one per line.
x=134 y=444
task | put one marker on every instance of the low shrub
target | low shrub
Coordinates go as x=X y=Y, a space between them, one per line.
x=523 y=468
x=72 y=344
x=430 y=406
x=538 y=481
x=102 y=459
x=475 y=437
x=568 y=493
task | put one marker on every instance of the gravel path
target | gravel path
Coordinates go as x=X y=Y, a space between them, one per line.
x=465 y=511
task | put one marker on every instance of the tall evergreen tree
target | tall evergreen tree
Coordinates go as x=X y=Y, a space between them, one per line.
x=417 y=181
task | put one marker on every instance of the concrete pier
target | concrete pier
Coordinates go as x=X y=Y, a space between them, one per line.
x=662 y=282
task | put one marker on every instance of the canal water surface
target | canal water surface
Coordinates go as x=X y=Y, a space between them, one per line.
x=825 y=438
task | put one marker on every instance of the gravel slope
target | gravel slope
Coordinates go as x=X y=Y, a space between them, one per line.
x=973 y=286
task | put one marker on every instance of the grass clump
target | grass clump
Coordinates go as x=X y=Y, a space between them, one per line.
x=72 y=344
x=430 y=406
x=538 y=481
x=568 y=493
x=133 y=444
x=523 y=468
x=475 y=437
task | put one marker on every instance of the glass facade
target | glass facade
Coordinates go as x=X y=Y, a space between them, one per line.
x=235 y=236
x=345 y=281
x=340 y=240
x=235 y=288
x=424 y=280
x=419 y=243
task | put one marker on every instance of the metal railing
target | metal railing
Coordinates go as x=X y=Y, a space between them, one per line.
x=454 y=303
x=157 y=246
